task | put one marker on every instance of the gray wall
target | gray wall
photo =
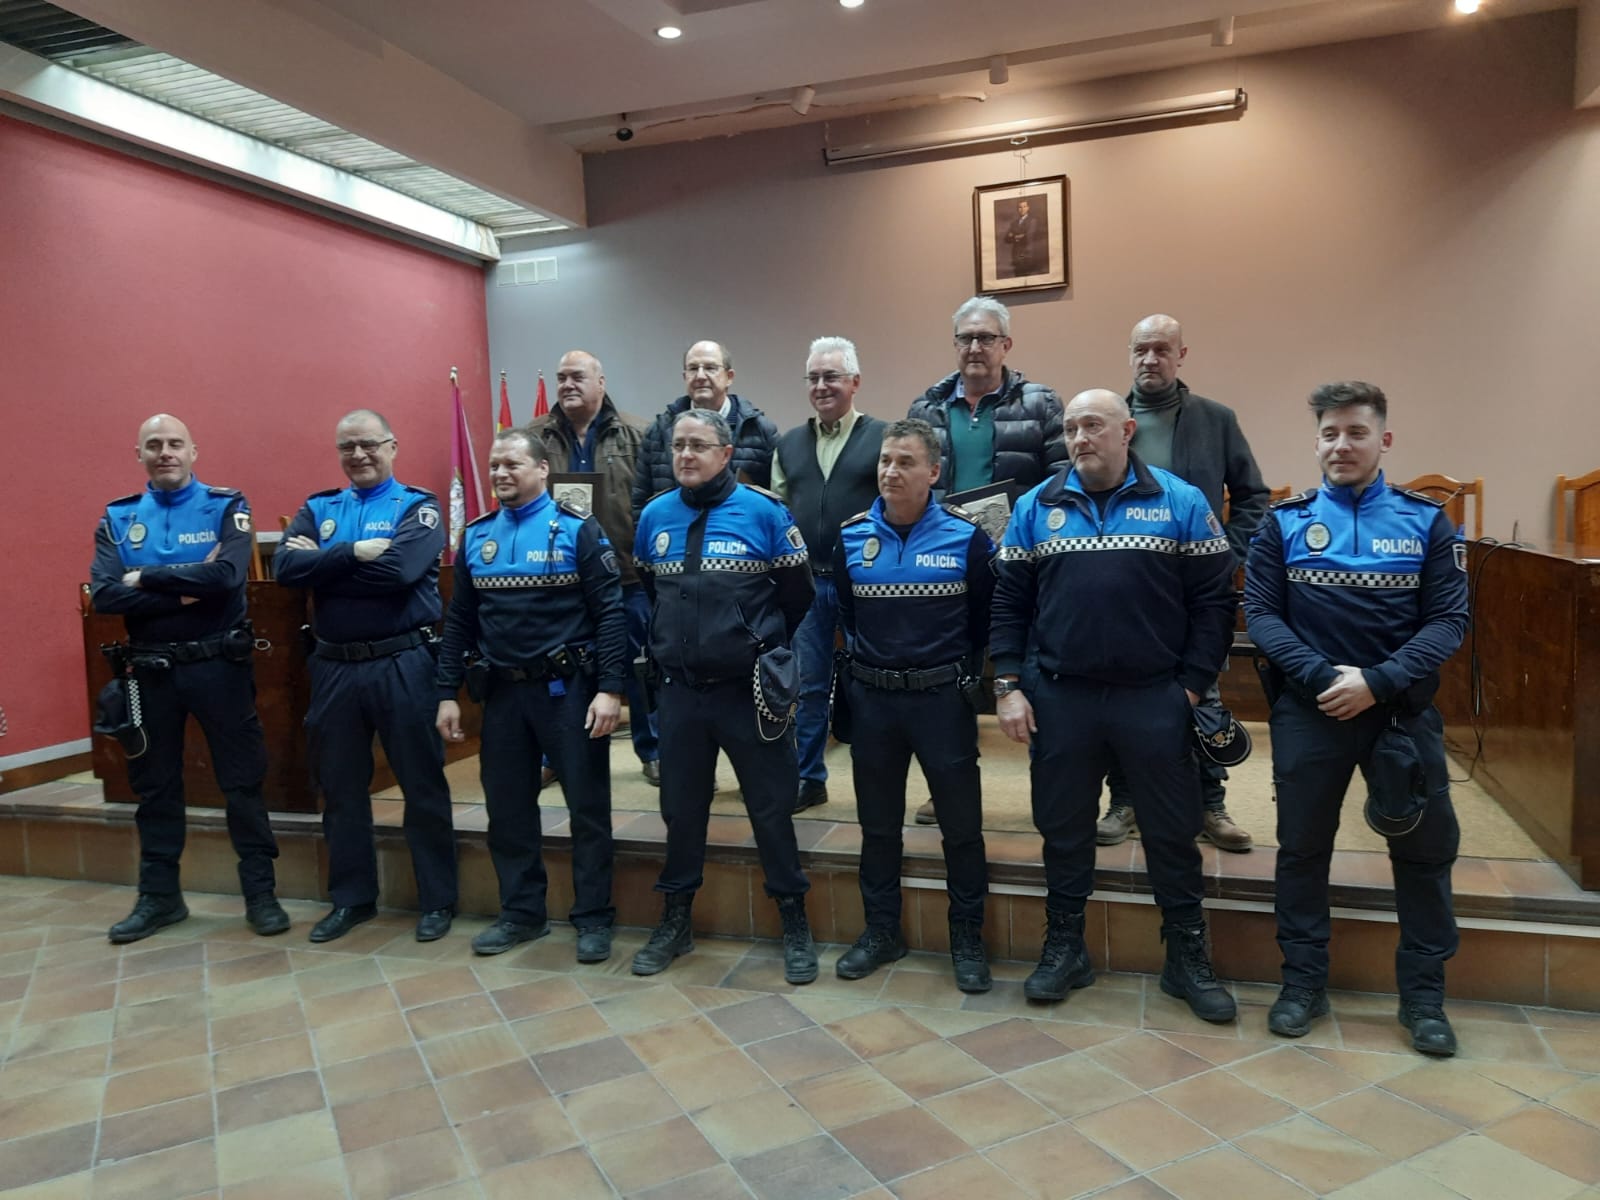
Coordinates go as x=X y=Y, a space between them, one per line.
x=1419 y=211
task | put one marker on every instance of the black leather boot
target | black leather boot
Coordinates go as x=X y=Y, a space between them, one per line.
x=149 y=914
x=671 y=938
x=1430 y=1028
x=1064 y=961
x=1188 y=974
x=877 y=945
x=799 y=951
x=1294 y=1010
x=969 y=958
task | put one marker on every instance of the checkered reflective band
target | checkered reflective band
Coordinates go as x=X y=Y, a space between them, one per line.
x=666 y=568
x=1362 y=579
x=1116 y=541
x=879 y=591
x=791 y=560
x=1209 y=546
x=1015 y=554
x=564 y=579
x=742 y=566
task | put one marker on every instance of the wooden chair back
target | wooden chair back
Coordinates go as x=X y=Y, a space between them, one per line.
x=1578 y=509
x=1277 y=493
x=1453 y=493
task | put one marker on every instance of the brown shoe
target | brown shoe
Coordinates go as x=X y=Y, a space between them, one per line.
x=925 y=815
x=1221 y=832
x=547 y=777
x=1114 y=828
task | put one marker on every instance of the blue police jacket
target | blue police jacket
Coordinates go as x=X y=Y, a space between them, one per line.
x=367 y=601
x=729 y=576
x=1376 y=581
x=170 y=538
x=529 y=581
x=1138 y=596
x=918 y=601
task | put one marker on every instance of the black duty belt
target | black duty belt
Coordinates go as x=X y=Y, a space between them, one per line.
x=906 y=681
x=563 y=663
x=366 y=651
x=181 y=652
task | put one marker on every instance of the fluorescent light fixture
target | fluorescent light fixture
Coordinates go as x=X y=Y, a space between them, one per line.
x=670 y=33
x=800 y=99
x=998 y=71
x=851 y=3
x=1227 y=100
x=1466 y=7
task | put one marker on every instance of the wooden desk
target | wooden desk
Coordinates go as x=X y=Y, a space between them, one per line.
x=1537 y=622
x=283 y=690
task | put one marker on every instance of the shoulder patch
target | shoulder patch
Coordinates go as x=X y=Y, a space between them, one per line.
x=1305 y=497
x=1423 y=496
x=663 y=492
x=860 y=516
x=572 y=510
x=324 y=492
x=955 y=510
x=130 y=498
x=479 y=520
x=770 y=495
x=428 y=516
x=223 y=491
x=420 y=493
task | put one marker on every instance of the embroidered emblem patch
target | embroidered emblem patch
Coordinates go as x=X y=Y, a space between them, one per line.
x=137 y=532
x=241 y=521
x=1213 y=524
x=1056 y=519
x=325 y=530
x=1460 y=552
x=428 y=516
x=489 y=550
x=1317 y=537
x=663 y=540
x=794 y=538
x=869 y=550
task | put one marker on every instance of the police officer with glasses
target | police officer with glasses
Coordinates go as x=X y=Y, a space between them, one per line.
x=537 y=607
x=915 y=581
x=370 y=554
x=172 y=560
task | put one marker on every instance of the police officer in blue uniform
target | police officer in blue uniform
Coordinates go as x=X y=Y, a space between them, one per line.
x=915 y=581
x=1356 y=592
x=538 y=606
x=172 y=560
x=730 y=581
x=370 y=554
x=1126 y=577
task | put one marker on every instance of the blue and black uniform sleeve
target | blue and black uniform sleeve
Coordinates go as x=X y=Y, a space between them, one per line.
x=847 y=599
x=1016 y=592
x=220 y=576
x=460 y=631
x=1442 y=620
x=110 y=594
x=1266 y=601
x=602 y=592
x=414 y=548
x=791 y=571
x=980 y=593
x=1207 y=564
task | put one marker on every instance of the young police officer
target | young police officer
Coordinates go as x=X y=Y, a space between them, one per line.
x=915 y=580
x=1357 y=592
x=172 y=560
x=538 y=601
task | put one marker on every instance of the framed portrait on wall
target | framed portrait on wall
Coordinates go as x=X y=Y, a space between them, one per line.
x=1019 y=234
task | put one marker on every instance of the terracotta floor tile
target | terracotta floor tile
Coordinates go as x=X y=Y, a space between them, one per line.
x=619 y=1105
x=187 y=1170
x=380 y=1119
x=353 y=1004
x=1225 y=1174
x=244 y=998
x=757 y=1020
x=1056 y=1163
x=691 y=1037
x=155 y=1085
x=436 y=984
x=847 y=1096
x=1575 y=1049
x=881 y=1031
x=1075 y=1035
x=537 y=996
x=653 y=1155
x=1143 y=1132
x=990 y=1112
x=156 y=1128
x=1581 y=1100
x=801 y=1055
x=407 y=1166
x=269 y=1100
x=900 y=1142
x=1223 y=1103
x=1147 y=1060
x=250 y=969
x=644 y=1008
x=1455 y=1092
x=754 y=1123
x=136 y=961
x=1010 y=1045
x=721 y=1182
x=481 y=1093
x=1073 y=1087
x=556 y=1030
x=278 y=1021
x=326 y=978
x=23 y=1077
x=1314 y=1156
x=698 y=1082
x=57 y=1108
x=1385 y=1122
x=28 y=1160
x=1480 y=1168
x=262 y=1060
x=930 y=1069
x=1296 y=1076
x=818 y=1166
x=1531 y=1080
x=324 y=1180
x=159 y=1046
x=475 y=1050
x=1374 y=1068
x=963 y=1179
x=52 y=1037
x=516 y=1134
x=920 y=989
x=582 y=1066
x=161 y=985
x=570 y=1175
x=392 y=1071
x=361 y=1039
x=452 y=1016
x=57 y=1006
x=1098 y=1006
x=261 y=1150
x=1552 y=1138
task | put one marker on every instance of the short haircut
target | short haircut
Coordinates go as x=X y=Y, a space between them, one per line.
x=727 y=358
x=710 y=418
x=987 y=306
x=915 y=427
x=1346 y=394
x=537 y=450
x=843 y=347
x=383 y=422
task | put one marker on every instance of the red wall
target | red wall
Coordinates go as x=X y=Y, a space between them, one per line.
x=128 y=288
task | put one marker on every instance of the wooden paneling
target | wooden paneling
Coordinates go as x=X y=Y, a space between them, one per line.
x=1578 y=509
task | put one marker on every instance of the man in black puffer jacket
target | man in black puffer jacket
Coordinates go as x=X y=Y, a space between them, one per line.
x=992 y=424
x=707 y=375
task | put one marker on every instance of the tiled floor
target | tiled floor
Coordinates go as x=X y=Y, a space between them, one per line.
x=206 y=1061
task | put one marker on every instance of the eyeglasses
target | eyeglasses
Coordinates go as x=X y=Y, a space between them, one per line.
x=695 y=447
x=965 y=340
x=365 y=445
x=828 y=377
x=702 y=368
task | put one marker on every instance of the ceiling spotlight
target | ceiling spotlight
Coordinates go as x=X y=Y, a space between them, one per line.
x=1466 y=7
x=670 y=33
x=800 y=99
x=851 y=3
x=998 y=71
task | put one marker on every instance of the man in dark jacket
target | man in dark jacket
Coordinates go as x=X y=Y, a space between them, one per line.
x=707 y=376
x=826 y=471
x=1200 y=442
x=587 y=433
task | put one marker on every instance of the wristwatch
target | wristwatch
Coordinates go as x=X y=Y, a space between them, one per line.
x=1004 y=687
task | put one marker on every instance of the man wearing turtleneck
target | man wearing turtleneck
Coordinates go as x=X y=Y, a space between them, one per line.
x=370 y=555
x=1199 y=441
x=172 y=559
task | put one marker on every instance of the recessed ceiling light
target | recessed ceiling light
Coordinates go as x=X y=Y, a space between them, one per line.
x=670 y=32
x=851 y=3
x=1466 y=7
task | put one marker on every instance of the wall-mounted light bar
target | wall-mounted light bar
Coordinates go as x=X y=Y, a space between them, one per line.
x=1228 y=100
